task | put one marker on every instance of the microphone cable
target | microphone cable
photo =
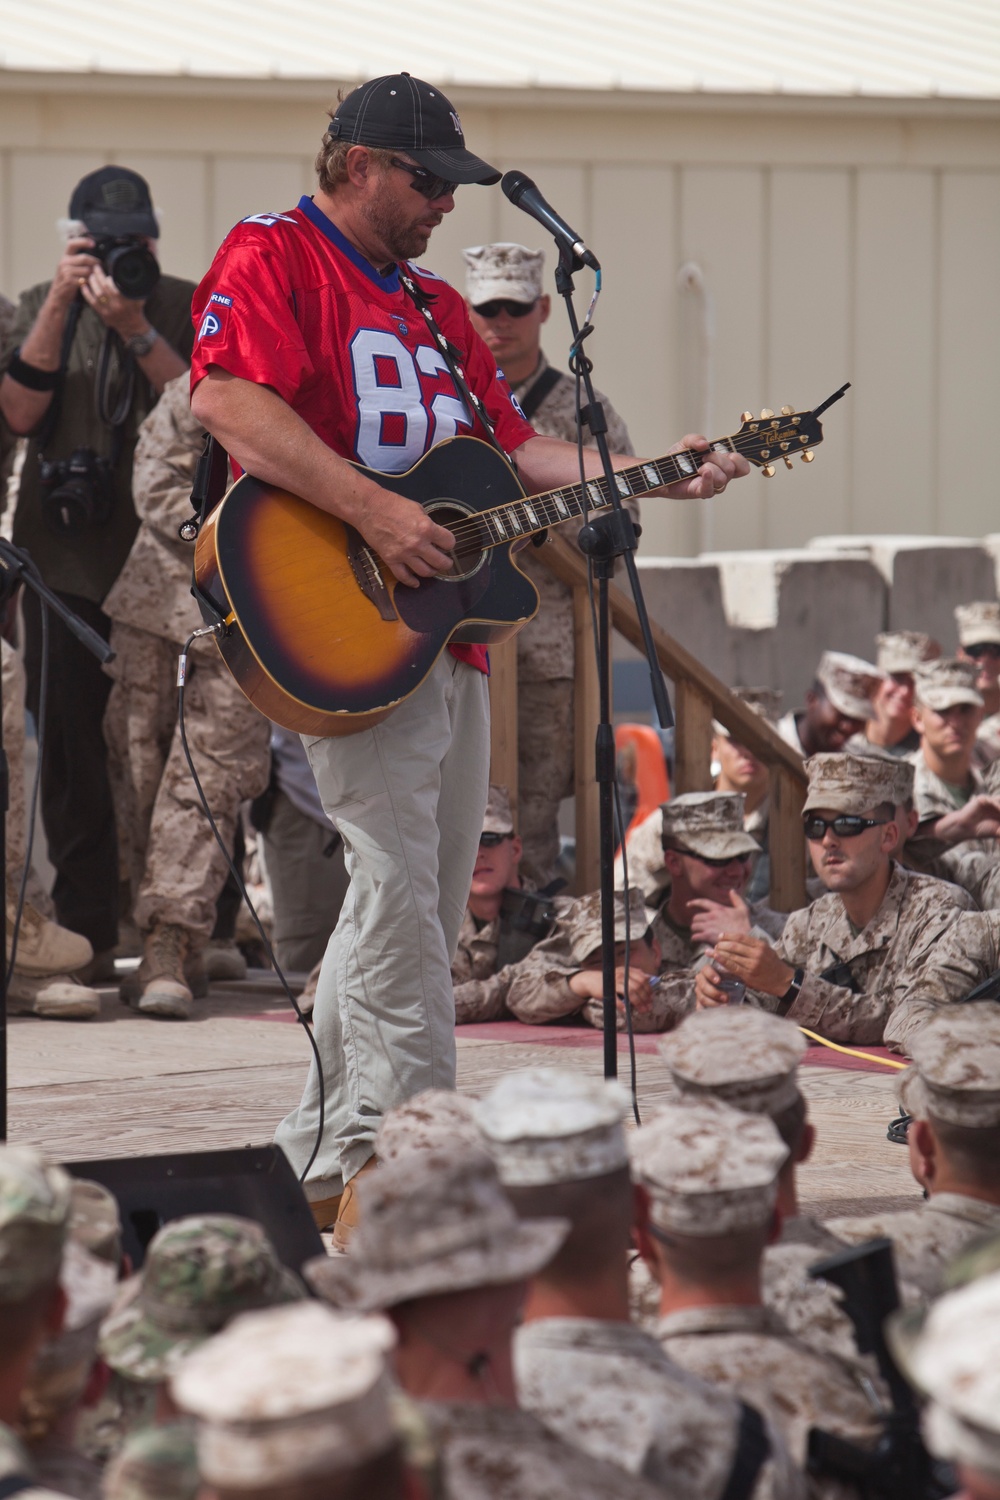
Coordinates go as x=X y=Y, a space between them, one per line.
x=237 y=875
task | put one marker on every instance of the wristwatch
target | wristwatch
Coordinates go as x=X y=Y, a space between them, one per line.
x=140 y=344
x=788 y=999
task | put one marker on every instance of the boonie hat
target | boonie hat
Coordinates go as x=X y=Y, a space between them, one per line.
x=953 y=1356
x=397 y=112
x=291 y=1393
x=198 y=1274
x=943 y=684
x=583 y=922
x=498 y=817
x=904 y=650
x=503 y=270
x=435 y=1120
x=34 y=1212
x=955 y=1075
x=978 y=623
x=114 y=200
x=849 y=783
x=708 y=1169
x=431 y=1224
x=155 y=1463
x=708 y=823
x=743 y=1056
x=849 y=683
x=545 y=1125
x=95 y=1220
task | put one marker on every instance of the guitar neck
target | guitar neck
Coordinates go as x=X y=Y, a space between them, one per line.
x=535 y=513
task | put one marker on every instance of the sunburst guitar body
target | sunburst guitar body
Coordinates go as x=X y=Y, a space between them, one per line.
x=320 y=635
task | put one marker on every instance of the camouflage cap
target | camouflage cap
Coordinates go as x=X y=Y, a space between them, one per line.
x=583 y=922
x=902 y=769
x=849 y=683
x=34 y=1213
x=748 y=1058
x=904 y=650
x=498 y=817
x=708 y=823
x=435 y=1120
x=291 y=1393
x=956 y=1067
x=708 y=1169
x=95 y=1220
x=978 y=623
x=848 y=783
x=764 y=702
x=155 y=1463
x=198 y=1274
x=545 y=1125
x=942 y=684
x=431 y=1224
x=953 y=1356
x=503 y=270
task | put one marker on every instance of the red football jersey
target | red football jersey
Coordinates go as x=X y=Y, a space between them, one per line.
x=290 y=303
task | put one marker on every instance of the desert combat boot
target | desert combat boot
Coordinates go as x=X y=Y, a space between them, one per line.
x=160 y=985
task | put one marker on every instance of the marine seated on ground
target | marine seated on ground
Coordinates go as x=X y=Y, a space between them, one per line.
x=504 y=919
x=707 y=858
x=952 y=1093
x=858 y=965
x=890 y=729
x=978 y=626
x=838 y=705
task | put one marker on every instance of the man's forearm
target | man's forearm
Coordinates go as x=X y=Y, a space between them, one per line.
x=545 y=463
x=22 y=407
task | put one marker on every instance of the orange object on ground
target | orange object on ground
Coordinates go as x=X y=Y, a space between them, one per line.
x=651 y=776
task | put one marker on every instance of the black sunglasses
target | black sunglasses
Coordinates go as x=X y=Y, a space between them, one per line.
x=490 y=840
x=985 y=648
x=717 y=864
x=503 y=304
x=424 y=182
x=846 y=826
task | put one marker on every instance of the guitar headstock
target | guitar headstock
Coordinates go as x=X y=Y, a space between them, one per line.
x=765 y=440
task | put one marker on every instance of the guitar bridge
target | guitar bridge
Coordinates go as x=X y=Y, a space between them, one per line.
x=368 y=575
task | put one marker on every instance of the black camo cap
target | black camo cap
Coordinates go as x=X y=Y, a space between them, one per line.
x=114 y=200
x=405 y=114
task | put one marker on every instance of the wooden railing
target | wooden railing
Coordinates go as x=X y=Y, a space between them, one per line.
x=699 y=697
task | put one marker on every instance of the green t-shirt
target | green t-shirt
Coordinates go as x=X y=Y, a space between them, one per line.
x=88 y=563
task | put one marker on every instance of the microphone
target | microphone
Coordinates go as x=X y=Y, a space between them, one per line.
x=523 y=193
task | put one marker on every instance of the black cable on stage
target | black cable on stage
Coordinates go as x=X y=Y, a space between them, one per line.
x=577 y=367
x=241 y=886
x=22 y=894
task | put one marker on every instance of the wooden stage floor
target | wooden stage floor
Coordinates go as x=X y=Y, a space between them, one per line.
x=125 y=1085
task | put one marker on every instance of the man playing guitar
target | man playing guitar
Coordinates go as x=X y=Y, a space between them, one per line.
x=310 y=353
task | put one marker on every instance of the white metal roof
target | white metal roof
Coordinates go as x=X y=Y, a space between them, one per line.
x=904 y=48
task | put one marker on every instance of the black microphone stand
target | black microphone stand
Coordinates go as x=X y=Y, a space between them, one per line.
x=17 y=567
x=604 y=539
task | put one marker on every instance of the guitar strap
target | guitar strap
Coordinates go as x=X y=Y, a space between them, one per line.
x=452 y=356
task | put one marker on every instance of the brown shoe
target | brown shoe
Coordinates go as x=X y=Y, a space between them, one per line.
x=324 y=1211
x=160 y=979
x=347 y=1214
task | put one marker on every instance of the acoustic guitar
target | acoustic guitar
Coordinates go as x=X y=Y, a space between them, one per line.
x=318 y=633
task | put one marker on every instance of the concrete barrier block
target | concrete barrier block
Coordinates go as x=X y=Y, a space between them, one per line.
x=992 y=545
x=684 y=596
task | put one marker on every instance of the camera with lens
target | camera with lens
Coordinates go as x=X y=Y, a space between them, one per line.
x=132 y=267
x=77 y=492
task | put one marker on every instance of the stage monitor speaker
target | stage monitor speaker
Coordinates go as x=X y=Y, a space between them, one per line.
x=257 y=1183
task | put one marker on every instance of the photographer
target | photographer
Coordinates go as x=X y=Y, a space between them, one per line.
x=88 y=356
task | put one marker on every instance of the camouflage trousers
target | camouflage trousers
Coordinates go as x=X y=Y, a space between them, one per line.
x=12 y=686
x=173 y=865
x=545 y=757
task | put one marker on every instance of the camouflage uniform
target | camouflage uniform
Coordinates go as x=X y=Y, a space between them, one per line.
x=973 y=863
x=978 y=624
x=955 y=1079
x=848 y=683
x=156 y=1463
x=168 y=850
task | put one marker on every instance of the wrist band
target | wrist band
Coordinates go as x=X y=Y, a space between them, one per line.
x=30 y=375
x=788 y=999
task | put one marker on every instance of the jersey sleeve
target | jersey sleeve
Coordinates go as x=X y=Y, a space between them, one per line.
x=244 y=316
x=489 y=384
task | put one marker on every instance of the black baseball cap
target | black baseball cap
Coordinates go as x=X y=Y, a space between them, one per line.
x=405 y=114
x=114 y=200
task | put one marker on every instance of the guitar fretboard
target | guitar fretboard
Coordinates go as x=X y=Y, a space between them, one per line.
x=535 y=512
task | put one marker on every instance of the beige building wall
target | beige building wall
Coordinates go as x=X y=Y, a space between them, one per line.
x=756 y=253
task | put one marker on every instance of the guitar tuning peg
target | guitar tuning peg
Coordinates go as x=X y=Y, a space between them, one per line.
x=766 y=413
x=788 y=462
x=808 y=457
x=746 y=416
x=768 y=471
x=788 y=411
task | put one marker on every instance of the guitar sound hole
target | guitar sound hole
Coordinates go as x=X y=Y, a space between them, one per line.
x=470 y=553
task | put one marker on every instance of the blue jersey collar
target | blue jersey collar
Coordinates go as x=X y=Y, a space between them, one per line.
x=388 y=283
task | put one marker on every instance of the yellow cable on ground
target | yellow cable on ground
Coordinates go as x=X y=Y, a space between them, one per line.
x=885 y=1062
